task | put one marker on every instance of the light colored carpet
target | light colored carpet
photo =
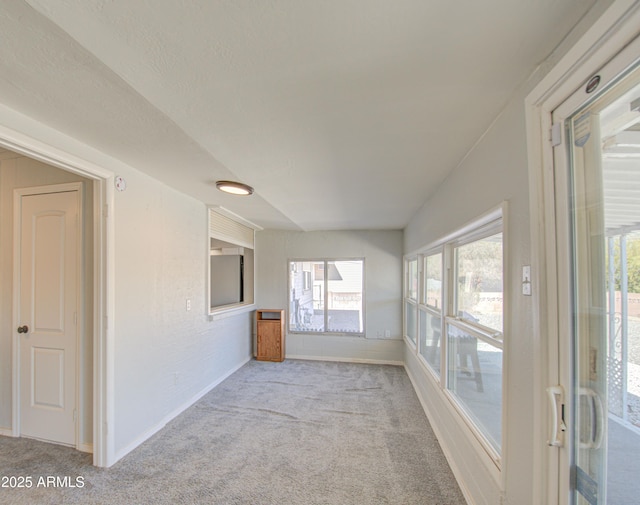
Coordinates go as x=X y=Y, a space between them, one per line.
x=297 y=432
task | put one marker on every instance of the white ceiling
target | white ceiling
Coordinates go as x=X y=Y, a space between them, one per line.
x=343 y=114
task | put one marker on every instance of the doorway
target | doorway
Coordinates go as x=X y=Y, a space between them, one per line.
x=597 y=195
x=96 y=389
x=572 y=229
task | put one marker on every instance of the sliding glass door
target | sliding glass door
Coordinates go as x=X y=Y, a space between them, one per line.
x=600 y=369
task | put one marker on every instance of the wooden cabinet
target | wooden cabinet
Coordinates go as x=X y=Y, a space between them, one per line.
x=270 y=334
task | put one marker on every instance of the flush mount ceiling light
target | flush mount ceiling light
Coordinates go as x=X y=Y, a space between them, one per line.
x=234 y=188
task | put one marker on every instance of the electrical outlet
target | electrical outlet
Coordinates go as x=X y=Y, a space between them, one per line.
x=188 y=304
x=387 y=333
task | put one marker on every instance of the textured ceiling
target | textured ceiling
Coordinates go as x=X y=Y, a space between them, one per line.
x=343 y=114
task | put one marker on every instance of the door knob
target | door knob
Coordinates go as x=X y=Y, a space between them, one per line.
x=23 y=329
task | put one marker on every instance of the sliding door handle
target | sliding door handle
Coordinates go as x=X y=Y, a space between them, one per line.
x=596 y=418
x=556 y=396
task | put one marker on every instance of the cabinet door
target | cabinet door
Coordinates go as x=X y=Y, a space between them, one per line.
x=269 y=340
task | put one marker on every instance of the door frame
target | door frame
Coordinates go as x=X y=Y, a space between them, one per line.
x=103 y=267
x=610 y=35
x=18 y=195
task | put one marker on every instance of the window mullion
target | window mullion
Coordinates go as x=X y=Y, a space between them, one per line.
x=476 y=331
x=447 y=309
x=326 y=296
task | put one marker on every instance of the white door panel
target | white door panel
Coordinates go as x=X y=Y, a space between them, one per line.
x=48 y=304
x=47 y=378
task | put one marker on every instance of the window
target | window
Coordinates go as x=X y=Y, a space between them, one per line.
x=459 y=320
x=412 y=279
x=307 y=281
x=478 y=283
x=230 y=263
x=474 y=333
x=431 y=312
x=433 y=282
x=326 y=296
x=411 y=299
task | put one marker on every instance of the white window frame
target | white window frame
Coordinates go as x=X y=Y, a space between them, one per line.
x=427 y=309
x=226 y=226
x=481 y=332
x=407 y=300
x=493 y=222
x=326 y=261
x=423 y=260
x=489 y=335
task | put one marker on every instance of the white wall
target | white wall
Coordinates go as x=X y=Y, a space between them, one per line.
x=382 y=251
x=165 y=355
x=495 y=170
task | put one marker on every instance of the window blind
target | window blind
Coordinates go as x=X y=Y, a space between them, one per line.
x=224 y=228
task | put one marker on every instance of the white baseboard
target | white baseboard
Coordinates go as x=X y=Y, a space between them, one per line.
x=88 y=448
x=6 y=432
x=175 y=413
x=345 y=360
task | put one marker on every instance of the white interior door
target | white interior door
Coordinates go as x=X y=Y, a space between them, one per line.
x=598 y=239
x=49 y=235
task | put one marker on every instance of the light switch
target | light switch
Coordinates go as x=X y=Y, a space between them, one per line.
x=526 y=280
